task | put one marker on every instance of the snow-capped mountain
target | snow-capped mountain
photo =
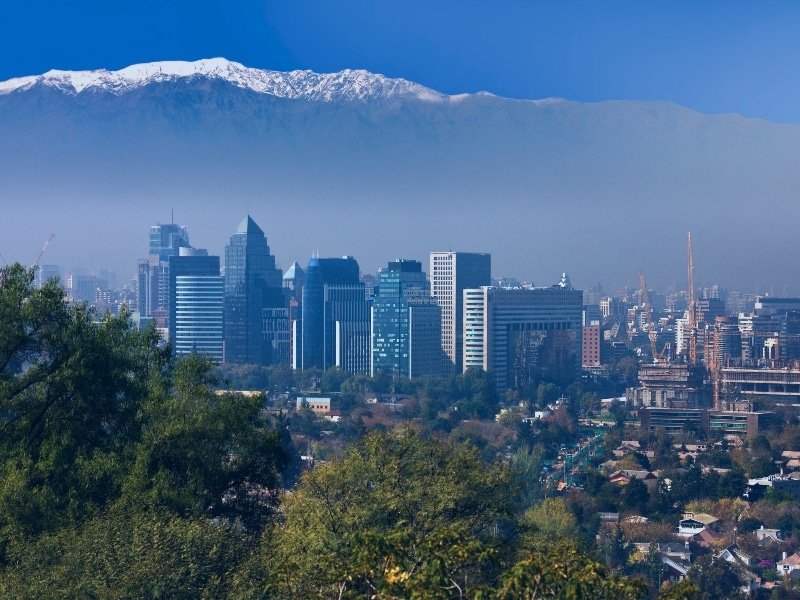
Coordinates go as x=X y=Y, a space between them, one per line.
x=358 y=163
x=347 y=85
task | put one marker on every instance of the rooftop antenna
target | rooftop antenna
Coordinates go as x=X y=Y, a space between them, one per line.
x=173 y=215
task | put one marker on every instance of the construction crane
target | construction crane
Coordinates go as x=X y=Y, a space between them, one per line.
x=41 y=253
x=652 y=334
x=691 y=321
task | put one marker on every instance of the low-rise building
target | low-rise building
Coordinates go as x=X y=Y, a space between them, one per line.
x=319 y=406
x=693 y=523
x=789 y=564
x=764 y=534
x=676 y=420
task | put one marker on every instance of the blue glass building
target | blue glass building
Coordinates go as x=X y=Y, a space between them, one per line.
x=335 y=316
x=406 y=323
x=256 y=313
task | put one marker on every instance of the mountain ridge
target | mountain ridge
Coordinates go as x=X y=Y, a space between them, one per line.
x=347 y=85
x=598 y=189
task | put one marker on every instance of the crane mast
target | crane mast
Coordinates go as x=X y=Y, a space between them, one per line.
x=41 y=253
x=652 y=334
x=691 y=321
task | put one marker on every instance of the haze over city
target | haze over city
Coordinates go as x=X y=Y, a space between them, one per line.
x=599 y=189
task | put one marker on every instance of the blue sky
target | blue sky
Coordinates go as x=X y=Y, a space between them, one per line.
x=712 y=56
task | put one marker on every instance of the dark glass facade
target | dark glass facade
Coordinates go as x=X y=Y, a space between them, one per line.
x=406 y=323
x=335 y=316
x=256 y=313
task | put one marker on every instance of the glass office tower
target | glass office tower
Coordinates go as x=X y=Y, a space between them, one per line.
x=406 y=323
x=335 y=316
x=256 y=314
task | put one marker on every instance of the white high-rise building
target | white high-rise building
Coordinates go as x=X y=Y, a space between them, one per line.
x=451 y=273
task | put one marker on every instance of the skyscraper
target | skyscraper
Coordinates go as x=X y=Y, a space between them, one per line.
x=335 y=316
x=152 y=277
x=406 y=323
x=452 y=273
x=45 y=273
x=519 y=334
x=196 y=304
x=256 y=314
x=293 y=281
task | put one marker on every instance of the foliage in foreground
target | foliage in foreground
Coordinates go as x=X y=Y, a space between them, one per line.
x=123 y=475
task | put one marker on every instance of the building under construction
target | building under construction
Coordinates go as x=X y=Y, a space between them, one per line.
x=671 y=386
x=741 y=386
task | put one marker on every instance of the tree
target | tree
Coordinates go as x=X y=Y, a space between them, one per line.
x=627 y=370
x=526 y=469
x=333 y=379
x=590 y=402
x=614 y=547
x=561 y=571
x=546 y=393
x=203 y=453
x=635 y=495
x=619 y=413
x=732 y=484
x=396 y=516
x=683 y=590
x=654 y=566
x=71 y=392
x=716 y=579
x=550 y=522
x=127 y=553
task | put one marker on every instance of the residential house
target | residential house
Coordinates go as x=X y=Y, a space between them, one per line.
x=735 y=555
x=789 y=564
x=768 y=535
x=693 y=523
x=624 y=476
x=676 y=558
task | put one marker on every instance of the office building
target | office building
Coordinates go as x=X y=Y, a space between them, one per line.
x=256 y=309
x=452 y=273
x=727 y=342
x=769 y=305
x=591 y=347
x=45 y=273
x=293 y=281
x=196 y=304
x=755 y=330
x=612 y=309
x=152 y=275
x=519 y=335
x=335 y=317
x=675 y=421
x=406 y=323
x=82 y=288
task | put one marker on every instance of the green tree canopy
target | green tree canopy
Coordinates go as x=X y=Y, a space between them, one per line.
x=397 y=516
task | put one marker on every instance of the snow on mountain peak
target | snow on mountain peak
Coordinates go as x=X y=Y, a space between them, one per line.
x=307 y=85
